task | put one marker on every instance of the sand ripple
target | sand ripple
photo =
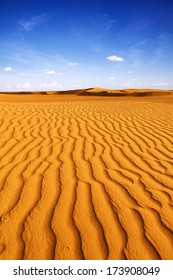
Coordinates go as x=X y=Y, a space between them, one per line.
x=86 y=180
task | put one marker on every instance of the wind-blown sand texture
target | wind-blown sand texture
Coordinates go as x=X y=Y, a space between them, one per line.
x=83 y=179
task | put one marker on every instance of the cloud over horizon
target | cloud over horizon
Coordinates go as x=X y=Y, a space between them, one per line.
x=72 y=63
x=25 y=85
x=8 y=69
x=50 y=72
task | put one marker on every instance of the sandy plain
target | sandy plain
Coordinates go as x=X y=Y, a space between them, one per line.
x=86 y=174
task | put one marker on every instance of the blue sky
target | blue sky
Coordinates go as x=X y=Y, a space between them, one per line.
x=60 y=45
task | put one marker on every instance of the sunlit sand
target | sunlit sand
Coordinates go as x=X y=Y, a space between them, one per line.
x=86 y=174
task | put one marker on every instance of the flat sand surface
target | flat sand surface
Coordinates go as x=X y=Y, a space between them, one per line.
x=86 y=177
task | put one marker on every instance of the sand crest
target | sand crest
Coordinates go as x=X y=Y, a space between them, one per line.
x=86 y=179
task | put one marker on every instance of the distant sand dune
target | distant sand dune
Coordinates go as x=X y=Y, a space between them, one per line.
x=91 y=94
x=99 y=92
x=86 y=180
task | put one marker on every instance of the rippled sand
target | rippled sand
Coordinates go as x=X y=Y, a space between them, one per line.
x=86 y=179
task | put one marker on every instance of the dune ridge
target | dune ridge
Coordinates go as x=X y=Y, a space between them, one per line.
x=98 y=92
x=86 y=180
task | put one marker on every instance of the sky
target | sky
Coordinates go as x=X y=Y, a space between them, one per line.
x=70 y=44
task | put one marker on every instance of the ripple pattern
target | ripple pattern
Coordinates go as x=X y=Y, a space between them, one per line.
x=86 y=180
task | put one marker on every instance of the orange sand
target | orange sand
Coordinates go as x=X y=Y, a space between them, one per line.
x=86 y=177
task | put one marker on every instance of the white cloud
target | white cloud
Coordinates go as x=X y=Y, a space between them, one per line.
x=158 y=84
x=8 y=69
x=25 y=85
x=148 y=85
x=54 y=85
x=28 y=25
x=72 y=64
x=50 y=72
x=128 y=84
x=111 y=78
x=115 y=58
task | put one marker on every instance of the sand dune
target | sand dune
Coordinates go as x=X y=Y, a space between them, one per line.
x=98 y=92
x=86 y=179
x=91 y=94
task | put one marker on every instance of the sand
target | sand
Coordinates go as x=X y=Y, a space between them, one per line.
x=86 y=177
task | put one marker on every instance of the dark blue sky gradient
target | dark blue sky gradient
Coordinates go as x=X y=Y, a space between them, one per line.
x=68 y=44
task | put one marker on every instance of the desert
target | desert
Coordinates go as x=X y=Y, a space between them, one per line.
x=86 y=175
